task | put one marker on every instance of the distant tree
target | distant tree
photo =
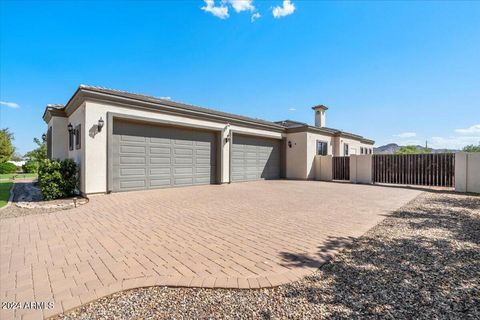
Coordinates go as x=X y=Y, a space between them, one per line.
x=16 y=157
x=471 y=148
x=38 y=154
x=412 y=150
x=6 y=146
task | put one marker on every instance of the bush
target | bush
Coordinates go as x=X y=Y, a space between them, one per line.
x=58 y=179
x=30 y=167
x=7 y=167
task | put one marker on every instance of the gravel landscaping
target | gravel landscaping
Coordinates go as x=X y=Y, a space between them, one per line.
x=27 y=200
x=421 y=262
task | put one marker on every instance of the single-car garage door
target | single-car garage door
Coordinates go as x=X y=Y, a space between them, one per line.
x=255 y=158
x=147 y=156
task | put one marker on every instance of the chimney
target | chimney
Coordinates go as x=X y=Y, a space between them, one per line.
x=320 y=115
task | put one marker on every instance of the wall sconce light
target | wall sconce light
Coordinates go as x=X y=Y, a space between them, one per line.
x=289 y=144
x=70 y=128
x=100 y=124
x=44 y=137
x=228 y=138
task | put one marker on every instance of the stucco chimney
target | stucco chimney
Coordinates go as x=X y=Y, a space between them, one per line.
x=320 y=115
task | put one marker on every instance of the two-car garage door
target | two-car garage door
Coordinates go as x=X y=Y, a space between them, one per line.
x=147 y=156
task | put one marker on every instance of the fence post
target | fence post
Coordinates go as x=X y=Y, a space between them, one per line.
x=361 y=169
x=467 y=172
x=323 y=168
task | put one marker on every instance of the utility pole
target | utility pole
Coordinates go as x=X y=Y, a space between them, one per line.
x=426 y=144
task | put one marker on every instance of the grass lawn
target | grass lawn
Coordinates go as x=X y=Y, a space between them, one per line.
x=10 y=176
x=4 y=192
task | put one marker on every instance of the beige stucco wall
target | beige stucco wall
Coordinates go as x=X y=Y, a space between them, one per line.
x=323 y=168
x=59 y=137
x=312 y=139
x=353 y=146
x=361 y=169
x=76 y=118
x=467 y=172
x=296 y=156
x=96 y=151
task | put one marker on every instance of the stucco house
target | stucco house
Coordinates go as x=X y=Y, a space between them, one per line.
x=124 y=141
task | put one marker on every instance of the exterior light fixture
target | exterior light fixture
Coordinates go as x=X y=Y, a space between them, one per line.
x=100 y=124
x=228 y=138
x=44 y=137
x=289 y=144
x=70 y=127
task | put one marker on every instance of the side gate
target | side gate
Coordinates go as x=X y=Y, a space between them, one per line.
x=341 y=168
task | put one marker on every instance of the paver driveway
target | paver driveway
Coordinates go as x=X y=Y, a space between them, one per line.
x=244 y=235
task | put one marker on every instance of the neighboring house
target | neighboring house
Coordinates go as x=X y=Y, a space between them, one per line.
x=124 y=141
x=17 y=163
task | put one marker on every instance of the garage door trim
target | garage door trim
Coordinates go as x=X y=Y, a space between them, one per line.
x=111 y=116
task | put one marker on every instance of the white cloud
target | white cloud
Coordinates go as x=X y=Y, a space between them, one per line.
x=453 y=142
x=166 y=98
x=286 y=9
x=405 y=135
x=470 y=130
x=255 y=16
x=220 y=11
x=12 y=105
x=241 y=5
x=292 y=109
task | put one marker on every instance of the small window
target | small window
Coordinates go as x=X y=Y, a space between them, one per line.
x=345 y=149
x=371 y=151
x=322 y=148
x=78 y=134
x=70 y=140
x=361 y=150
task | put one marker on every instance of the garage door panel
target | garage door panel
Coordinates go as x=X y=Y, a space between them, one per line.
x=150 y=156
x=160 y=160
x=125 y=172
x=157 y=150
x=158 y=183
x=132 y=149
x=132 y=160
x=160 y=171
x=132 y=184
x=255 y=158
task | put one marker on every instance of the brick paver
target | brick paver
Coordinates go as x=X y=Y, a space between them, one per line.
x=244 y=235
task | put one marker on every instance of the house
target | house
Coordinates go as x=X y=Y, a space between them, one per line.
x=124 y=141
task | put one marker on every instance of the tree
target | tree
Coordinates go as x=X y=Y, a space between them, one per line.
x=39 y=153
x=412 y=150
x=16 y=157
x=471 y=148
x=6 y=147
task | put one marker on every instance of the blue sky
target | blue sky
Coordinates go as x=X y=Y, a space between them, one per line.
x=391 y=71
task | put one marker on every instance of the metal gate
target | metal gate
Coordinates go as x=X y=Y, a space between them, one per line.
x=341 y=168
x=437 y=169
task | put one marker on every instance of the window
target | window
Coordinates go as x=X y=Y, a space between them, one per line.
x=78 y=134
x=70 y=139
x=361 y=150
x=370 y=150
x=345 y=149
x=322 y=148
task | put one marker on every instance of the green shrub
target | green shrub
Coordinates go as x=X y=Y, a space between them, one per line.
x=30 y=167
x=58 y=179
x=7 y=167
